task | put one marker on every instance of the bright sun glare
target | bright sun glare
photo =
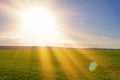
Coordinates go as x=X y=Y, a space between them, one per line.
x=38 y=23
x=39 y=19
x=36 y=19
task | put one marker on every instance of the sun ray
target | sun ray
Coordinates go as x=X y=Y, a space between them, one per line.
x=65 y=64
x=46 y=64
x=89 y=54
x=77 y=63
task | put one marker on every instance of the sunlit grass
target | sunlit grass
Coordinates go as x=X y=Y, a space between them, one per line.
x=59 y=64
x=46 y=64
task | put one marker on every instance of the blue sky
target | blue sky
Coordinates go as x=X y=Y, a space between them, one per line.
x=92 y=23
x=99 y=17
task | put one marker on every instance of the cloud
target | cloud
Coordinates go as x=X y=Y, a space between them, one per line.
x=100 y=42
x=75 y=39
x=5 y=41
x=87 y=40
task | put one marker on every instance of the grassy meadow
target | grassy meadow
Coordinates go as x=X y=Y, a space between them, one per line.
x=59 y=64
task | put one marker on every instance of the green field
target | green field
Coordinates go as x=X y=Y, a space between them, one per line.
x=59 y=64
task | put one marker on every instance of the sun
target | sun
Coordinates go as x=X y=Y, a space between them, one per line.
x=38 y=19
x=38 y=23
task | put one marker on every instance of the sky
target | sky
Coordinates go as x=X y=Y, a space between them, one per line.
x=82 y=23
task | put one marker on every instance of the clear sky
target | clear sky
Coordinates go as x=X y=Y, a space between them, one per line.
x=83 y=23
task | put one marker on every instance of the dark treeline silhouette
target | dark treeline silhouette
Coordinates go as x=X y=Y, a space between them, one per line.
x=47 y=47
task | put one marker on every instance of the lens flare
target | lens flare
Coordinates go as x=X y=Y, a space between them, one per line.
x=93 y=66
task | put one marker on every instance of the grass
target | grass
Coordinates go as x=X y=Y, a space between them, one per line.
x=59 y=64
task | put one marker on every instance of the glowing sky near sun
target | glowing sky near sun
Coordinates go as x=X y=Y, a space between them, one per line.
x=79 y=23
